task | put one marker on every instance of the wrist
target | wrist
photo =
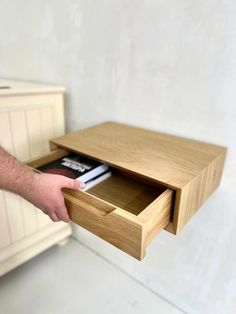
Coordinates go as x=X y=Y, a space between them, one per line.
x=25 y=185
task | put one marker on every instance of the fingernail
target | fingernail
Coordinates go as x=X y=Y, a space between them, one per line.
x=82 y=185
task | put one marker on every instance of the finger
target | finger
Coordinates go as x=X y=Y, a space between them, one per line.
x=73 y=184
x=62 y=214
x=54 y=217
x=61 y=209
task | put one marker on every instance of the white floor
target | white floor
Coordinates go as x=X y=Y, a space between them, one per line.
x=73 y=279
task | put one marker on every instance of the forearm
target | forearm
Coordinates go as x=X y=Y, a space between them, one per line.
x=42 y=190
x=14 y=176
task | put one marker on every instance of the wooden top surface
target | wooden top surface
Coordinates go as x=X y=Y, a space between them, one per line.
x=170 y=160
x=11 y=87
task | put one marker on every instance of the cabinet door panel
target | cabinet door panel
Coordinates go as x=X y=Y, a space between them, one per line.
x=14 y=211
x=4 y=229
x=5 y=132
x=26 y=126
x=19 y=135
x=29 y=217
x=46 y=115
x=12 y=132
x=34 y=132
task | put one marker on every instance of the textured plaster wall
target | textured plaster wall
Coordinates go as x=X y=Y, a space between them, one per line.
x=166 y=65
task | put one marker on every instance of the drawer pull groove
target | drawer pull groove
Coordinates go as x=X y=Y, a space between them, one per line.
x=91 y=204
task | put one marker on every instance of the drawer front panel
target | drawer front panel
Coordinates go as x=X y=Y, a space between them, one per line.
x=116 y=227
x=125 y=211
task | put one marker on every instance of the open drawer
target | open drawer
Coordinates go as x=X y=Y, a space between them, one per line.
x=125 y=210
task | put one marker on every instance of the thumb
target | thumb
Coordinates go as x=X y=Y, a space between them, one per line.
x=73 y=184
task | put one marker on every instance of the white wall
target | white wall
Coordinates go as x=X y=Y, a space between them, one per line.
x=166 y=65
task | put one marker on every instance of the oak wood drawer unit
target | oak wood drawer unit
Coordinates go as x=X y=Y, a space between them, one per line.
x=158 y=182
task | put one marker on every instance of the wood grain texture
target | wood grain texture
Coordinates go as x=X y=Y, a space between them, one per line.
x=127 y=192
x=47 y=158
x=128 y=232
x=120 y=210
x=195 y=193
x=192 y=168
x=118 y=227
x=157 y=216
x=167 y=159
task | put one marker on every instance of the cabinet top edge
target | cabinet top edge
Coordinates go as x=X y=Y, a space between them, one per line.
x=13 y=87
x=168 y=159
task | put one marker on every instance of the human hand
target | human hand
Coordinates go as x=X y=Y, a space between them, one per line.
x=45 y=193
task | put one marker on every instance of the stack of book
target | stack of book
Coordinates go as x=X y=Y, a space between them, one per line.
x=78 y=167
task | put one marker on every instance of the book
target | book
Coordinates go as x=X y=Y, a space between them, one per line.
x=102 y=177
x=76 y=166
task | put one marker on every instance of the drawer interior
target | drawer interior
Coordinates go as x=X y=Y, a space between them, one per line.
x=127 y=192
x=126 y=210
x=124 y=190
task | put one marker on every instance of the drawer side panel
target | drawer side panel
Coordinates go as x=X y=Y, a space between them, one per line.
x=194 y=194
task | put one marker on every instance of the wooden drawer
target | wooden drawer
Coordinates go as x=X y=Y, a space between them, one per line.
x=125 y=210
x=159 y=181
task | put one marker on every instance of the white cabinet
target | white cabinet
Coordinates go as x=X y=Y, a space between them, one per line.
x=30 y=115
